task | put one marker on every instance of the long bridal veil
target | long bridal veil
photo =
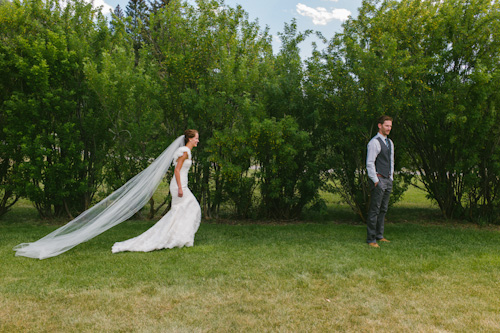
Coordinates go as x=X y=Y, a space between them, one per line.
x=114 y=209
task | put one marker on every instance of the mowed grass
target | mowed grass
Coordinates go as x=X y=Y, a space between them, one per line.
x=285 y=277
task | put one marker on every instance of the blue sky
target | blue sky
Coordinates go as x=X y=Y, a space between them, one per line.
x=325 y=16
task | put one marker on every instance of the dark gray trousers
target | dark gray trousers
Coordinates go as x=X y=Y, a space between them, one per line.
x=379 y=202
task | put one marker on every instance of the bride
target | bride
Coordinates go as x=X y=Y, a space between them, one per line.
x=178 y=226
x=176 y=229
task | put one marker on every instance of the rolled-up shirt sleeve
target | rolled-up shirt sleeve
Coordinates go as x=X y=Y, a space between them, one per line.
x=392 y=160
x=371 y=156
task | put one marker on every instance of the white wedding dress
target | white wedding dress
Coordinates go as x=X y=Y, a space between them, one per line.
x=178 y=227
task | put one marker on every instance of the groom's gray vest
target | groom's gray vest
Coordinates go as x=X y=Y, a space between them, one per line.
x=383 y=160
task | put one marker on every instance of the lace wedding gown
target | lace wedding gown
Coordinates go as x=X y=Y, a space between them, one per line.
x=178 y=227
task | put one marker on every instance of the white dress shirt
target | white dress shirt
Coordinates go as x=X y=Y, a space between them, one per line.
x=373 y=151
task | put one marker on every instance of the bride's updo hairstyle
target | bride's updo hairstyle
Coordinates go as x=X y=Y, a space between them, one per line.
x=188 y=134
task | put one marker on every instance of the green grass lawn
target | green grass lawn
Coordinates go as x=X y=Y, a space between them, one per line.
x=296 y=277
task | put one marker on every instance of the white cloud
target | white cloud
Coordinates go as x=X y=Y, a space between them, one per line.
x=321 y=16
x=105 y=7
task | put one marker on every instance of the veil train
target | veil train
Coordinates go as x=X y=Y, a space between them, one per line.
x=114 y=209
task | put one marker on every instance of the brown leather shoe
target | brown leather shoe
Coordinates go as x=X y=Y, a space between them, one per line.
x=384 y=240
x=375 y=245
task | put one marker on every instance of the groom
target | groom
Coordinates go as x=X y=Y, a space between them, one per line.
x=380 y=167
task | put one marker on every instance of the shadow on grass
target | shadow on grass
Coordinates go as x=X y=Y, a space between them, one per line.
x=415 y=208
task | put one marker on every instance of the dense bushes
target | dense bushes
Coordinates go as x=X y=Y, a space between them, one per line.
x=86 y=103
x=54 y=133
x=434 y=67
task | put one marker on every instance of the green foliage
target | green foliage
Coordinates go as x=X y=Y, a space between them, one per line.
x=9 y=160
x=281 y=157
x=8 y=167
x=129 y=97
x=272 y=152
x=137 y=20
x=352 y=99
x=271 y=156
x=47 y=108
x=210 y=63
x=432 y=65
x=85 y=104
x=129 y=100
x=232 y=152
x=293 y=111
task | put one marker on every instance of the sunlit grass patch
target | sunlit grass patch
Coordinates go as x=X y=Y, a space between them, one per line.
x=277 y=277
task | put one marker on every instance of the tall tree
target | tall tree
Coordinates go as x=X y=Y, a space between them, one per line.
x=10 y=158
x=137 y=23
x=51 y=117
x=433 y=66
x=118 y=12
x=156 y=5
x=211 y=62
x=287 y=188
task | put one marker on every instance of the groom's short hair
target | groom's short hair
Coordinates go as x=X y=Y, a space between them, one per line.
x=384 y=118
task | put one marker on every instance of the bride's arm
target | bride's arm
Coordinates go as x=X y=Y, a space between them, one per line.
x=177 y=173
